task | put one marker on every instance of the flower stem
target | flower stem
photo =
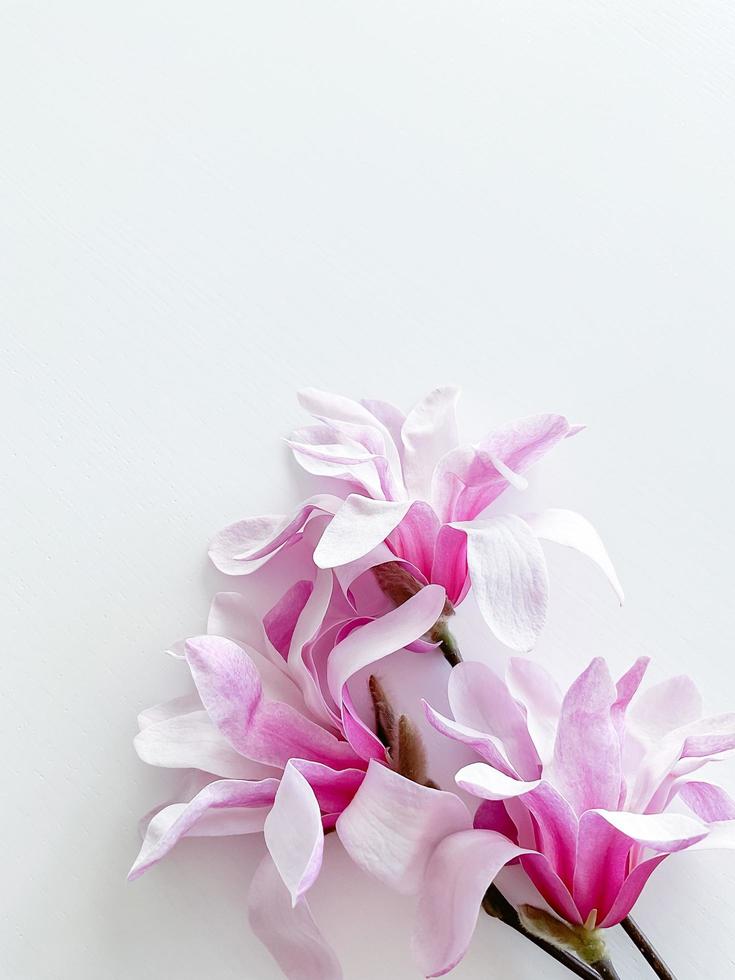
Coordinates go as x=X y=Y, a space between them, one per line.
x=448 y=646
x=497 y=905
x=650 y=955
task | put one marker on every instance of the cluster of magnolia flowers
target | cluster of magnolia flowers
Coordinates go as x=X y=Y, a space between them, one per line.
x=292 y=728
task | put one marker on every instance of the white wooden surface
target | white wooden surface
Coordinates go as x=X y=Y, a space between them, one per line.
x=206 y=206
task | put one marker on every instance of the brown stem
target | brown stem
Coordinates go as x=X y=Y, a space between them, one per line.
x=497 y=905
x=648 y=952
x=605 y=969
x=448 y=646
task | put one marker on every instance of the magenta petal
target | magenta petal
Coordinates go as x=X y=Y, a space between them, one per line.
x=270 y=732
x=492 y=815
x=631 y=890
x=413 y=539
x=459 y=872
x=393 y=825
x=288 y=932
x=587 y=765
x=293 y=833
x=280 y=621
x=333 y=788
x=449 y=566
x=509 y=578
x=172 y=823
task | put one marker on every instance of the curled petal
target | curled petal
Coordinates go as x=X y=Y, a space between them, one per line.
x=489 y=784
x=457 y=876
x=359 y=525
x=293 y=833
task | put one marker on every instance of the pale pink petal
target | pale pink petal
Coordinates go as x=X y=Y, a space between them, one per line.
x=287 y=931
x=244 y=546
x=709 y=801
x=482 y=780
x=509 y=578
x=358 y=526
x=429 y=432
x=233 y=616
x=270 y=732
x=468 y=479
x=457 y=876
x=479 y=699
x=664 y=707
x=179 y=820
x=393 y=825
x=483 y=744
x=709 y=737
x=293 y=833
x=191 y=741
x=380 y=637
x=586 y=765
x=280 y=621
x=169 y=709
x=567 y=528
x=535 y=688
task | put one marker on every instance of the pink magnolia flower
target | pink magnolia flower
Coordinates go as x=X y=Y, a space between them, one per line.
x=578 y=787
x=409 y=492
x=277 y=744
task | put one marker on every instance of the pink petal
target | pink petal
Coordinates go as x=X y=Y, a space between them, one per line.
x=364 y=741
x=288 y=932
x=271 y=732
x=664 y=707
x=192 y=741
x=413 y=540
x=358 y=526
x=180 y=819
x=449 y=567
x=481 y=700
x=333 y=788
x=631 y=890
x=492 y=815
x=457 y=877
x=482 y=780
x=293 y=833
x=483 y=744
x=567 y=528
x=586 y=765
x=393 y=825
x=509 y=578
x=535 y=688
x=380 y=637
x=708 y=801
x=429 y=432
x=280 y=621
x=244 y=546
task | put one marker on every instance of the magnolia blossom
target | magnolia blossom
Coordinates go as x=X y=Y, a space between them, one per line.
x=278 y=744
x=577 y=787
x=410 y=493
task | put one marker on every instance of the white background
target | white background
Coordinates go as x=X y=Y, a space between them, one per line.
x=205 y=206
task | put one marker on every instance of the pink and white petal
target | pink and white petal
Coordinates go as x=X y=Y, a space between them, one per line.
x=288 y=932
x=457 y=876
x=479 y=699
x=509 y=578
x=626 y=689
x=392 y=826
x=586 y=764
x=663 y=708
x=169 y=709
x=365 y=742
x=482 y=780
x=537 y=690
x=429 y=432
x=233 y=616
x=293 y=833
x=359 y=525
x=482 y=743
x=570 y=529
x=555 y=828
x=271 y=732
x=244 y=546
x=389 y=416
x=493 y=815
x=377 y=639
x=191 y=741
x=553 y=890
x=709 y=737
x=707 y=800
x=179 y=820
